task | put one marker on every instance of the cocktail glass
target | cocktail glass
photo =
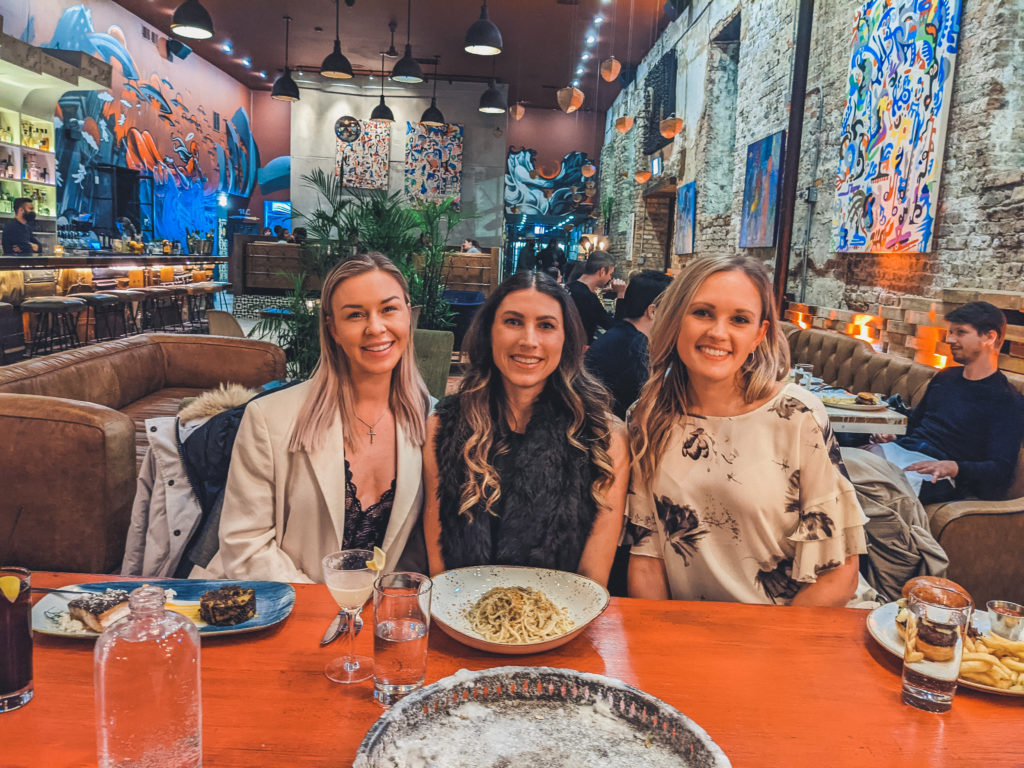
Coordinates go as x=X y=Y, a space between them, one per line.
x=938 y=623
x=15 y=639
x=350 y=583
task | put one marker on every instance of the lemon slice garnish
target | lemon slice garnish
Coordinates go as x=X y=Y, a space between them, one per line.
x=379 y=558
x=11 y=586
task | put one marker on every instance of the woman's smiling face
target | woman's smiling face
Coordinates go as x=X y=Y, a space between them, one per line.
x=720 y=328
x=527 y=339
x=370 y=322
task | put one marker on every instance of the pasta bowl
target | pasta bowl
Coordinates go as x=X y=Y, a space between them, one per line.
x=457 y=591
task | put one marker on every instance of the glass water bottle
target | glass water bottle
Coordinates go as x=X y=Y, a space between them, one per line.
x=148 y=704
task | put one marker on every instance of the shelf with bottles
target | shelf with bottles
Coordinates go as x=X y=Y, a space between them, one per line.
x=10 y=127
x=44 y=196
x=9 y=192
x=10 y=162
x=37 y=167
x=36 y=134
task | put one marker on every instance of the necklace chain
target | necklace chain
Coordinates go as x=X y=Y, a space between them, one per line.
x=369 y=426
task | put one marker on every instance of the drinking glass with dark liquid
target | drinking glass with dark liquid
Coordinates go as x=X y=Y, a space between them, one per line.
x=15 y=638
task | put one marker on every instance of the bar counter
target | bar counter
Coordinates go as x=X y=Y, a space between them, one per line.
x=105 y=259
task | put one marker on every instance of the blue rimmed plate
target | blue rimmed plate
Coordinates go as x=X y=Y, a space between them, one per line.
x=274 y=601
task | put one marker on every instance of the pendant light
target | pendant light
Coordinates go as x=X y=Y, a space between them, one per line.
x=670 y=127
x=517 y=110
x=407 y=70
x=610 y=69
x=588 y=169
x=623 y=124
x=432 y=115
x=285 y=88
x=483 y=38
x=382 y=111
x=492 y=101
x=193 y=21
x=336 y=66
x=570 y=99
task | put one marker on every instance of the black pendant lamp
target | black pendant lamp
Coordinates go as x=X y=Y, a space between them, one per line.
x=432 y=115
x=492 y=101
x=285 y=88
x=483 y=37
x=407 y=70
x=336 y=66
x=193 y=21
x=382 y=111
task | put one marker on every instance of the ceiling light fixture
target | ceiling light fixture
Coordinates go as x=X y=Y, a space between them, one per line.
x=226 y=46
x=392 y=52
x=432 y=115
x=285 y=88
x=382 y=111
x=492 y=101
x=193 y=21
x=247 y=62
x=591 y=39
x=407 y=70
x=336 y=66
x=483 y=38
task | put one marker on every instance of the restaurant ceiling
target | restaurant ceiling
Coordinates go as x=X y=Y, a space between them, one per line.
x=543 y=39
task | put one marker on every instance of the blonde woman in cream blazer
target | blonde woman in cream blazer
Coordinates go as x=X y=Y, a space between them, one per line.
x=285 y=500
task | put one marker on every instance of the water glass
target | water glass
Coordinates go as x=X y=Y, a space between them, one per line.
x=938 y=623
x=804 y=374
x=401 y=621
x=15 y=638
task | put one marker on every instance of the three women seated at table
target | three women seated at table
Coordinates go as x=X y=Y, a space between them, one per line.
x=738 y=492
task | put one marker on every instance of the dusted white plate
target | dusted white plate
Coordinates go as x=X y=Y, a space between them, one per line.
x=882 y=626
x=455 y=592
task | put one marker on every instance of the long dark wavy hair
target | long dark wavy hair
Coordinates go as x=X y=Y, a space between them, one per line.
x=484 y=408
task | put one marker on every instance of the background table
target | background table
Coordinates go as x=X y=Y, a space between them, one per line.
x=772 y=686
x=887 y=422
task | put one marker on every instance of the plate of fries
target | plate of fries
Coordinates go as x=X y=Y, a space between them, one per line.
x=989 y=663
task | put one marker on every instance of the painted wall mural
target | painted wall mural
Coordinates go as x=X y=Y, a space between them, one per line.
x=686 y=217
x=761 y=192
x=363 y=161
x=894 y=126
x=546 y=190
x=433 y=161
x=152 y=121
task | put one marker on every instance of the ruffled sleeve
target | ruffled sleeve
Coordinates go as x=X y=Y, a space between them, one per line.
x=831 y=522
x=641 y=531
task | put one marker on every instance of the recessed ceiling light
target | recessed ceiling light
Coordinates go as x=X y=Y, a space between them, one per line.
x=246 y=62
x=579 y=70
x=575 y=83
x=226 y=46
x=585 y=56
x=591 y=39
x=262 y=74
x=599 y=19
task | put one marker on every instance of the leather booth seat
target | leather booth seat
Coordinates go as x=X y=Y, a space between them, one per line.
x=982 y=538
x=73 y=426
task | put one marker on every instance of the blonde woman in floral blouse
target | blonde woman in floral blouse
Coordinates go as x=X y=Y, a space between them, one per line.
x=739 y=493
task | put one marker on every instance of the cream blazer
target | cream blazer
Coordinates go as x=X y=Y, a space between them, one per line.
x=284 y=511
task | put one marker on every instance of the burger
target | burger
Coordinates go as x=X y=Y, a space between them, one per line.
x=936 y=641
x=866 y=398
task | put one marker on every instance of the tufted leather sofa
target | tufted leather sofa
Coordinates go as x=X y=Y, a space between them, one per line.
x=982 y=538
x=73 y=435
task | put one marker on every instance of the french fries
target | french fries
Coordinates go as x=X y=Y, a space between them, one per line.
x=993 y=661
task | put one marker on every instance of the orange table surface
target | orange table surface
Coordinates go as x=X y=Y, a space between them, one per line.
x=773 y=686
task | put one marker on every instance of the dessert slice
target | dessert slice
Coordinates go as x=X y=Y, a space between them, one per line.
x=227 y=606
x=98 y=611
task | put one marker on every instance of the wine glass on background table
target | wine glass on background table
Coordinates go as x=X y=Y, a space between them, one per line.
x=349 y=579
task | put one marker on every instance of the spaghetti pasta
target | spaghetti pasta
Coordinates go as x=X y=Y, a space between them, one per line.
x=517 y=615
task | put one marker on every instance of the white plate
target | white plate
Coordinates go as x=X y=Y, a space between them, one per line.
x=454 y=592
x=855 y=406
x=882 y=626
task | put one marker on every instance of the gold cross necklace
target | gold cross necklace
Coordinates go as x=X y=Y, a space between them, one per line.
x=369 y=426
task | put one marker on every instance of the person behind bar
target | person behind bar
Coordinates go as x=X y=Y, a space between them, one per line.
x=597 y=275
x=335 y=462
x=739 y=492
x=18 y=239
x=967 y=428
x=526 y=465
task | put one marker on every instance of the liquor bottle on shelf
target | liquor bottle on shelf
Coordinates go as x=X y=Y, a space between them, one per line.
x=44 y=142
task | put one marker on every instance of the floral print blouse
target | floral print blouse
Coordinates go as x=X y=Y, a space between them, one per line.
x=749 y=508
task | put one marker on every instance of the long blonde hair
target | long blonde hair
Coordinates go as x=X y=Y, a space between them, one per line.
x=663 y=401
x=331 y=392
x=483 y=403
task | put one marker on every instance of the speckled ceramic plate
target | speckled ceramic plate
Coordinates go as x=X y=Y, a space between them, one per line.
x=455 y=592
x=535 y=716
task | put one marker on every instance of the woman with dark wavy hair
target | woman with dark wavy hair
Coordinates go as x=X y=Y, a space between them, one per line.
x=526 y=465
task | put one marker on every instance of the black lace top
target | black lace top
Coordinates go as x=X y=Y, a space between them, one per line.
x=365 y=528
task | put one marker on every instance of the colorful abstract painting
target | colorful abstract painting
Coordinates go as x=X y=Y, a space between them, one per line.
x=433 y=161
x=761 y=192
x=686 y=217
x=894 y=126
x=363 y=163
x=543 y=189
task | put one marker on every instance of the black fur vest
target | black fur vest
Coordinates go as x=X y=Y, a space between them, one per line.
x=546 y=510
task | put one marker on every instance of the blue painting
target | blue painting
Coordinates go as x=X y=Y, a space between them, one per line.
x=761 y=192
x=894 y=126
x=686 y=217
x=543 y=189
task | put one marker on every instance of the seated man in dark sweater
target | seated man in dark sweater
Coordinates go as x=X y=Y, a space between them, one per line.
x=971 y=419
x=619 y=357
x=597 y=274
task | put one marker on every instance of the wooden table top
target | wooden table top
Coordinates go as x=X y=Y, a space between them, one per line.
x=772 y=686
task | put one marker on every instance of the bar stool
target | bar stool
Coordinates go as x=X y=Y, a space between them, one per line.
x=129 y=299
x=197 y=304
x=179 y=299
x=157 y=308
x=107 y=317
x=223 y=287
x=8 y=331
x=55 y=321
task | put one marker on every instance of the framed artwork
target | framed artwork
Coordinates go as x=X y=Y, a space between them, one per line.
x=894 y=126
x=759 y=215
x=364 y=150
x=433 y=161
x=686 y=217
